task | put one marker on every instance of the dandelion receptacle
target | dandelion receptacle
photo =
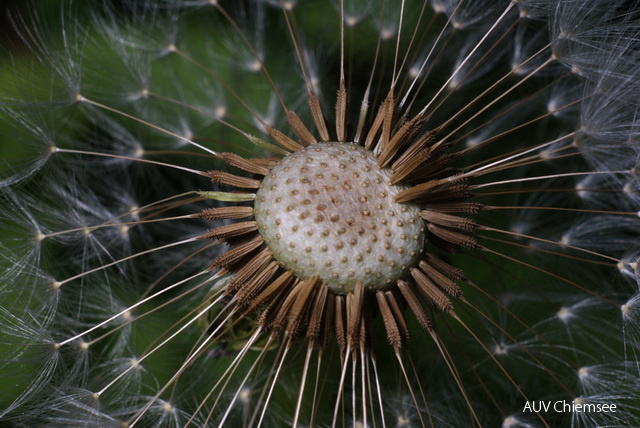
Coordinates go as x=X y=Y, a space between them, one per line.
x=320 y=213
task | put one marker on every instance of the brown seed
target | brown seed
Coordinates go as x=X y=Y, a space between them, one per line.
x=221 y=213
x=227 y=179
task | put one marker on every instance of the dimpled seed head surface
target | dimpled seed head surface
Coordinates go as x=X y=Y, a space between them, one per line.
x=328 y=210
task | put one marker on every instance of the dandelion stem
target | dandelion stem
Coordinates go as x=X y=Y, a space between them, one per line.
x=517 y=127
x=604 y=299
x=140 y=302
x=469 y=55
x=519 y=344
x=263 y=69
x=492 y=87
x=198 y=110
x=495 y=360
x=131 y=158
x=577 y=210
x=302 y=383
x=156 y=308
x=363 y=391
x=354 y=394
x=179 y=372
x=454 y=373
x=343 y=372
x=164 y=342
x=424 y=398
x=294 y=40
x=227 y=374
x=554 y=253
x=144 y=122
x=273 y=384
x=561 y=244
x=314 y=404
x=127 y=223
x=406 y=380
x=342 y=42
x=428 y=57
x=498 y=98
x=124 y=259
x=375 y=372
x=394 y=78
x=109 y=224
x=222 y=82
x=253 y=366
x=517 y=155
x=547 y=177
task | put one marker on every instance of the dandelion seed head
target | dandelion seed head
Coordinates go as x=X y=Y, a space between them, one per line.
x=581 y=190
x=254 y=66
x=519 y=228
x=517 y=70
x=220 y=112
x=351 y=21
x=473 y=141
x=501 y=349
x=403 y=422
x=625 y=309
x=583 y=373
x=628 y=189
x=438 y=6
x=436 y=208
x=289 y=5
x=387 y=33
x=124 y=230
x=547 y=154
x=335 y=196
x=414 y=71
x=245 y=395
x=513 y=421
x=564 y=314
x=139 y=153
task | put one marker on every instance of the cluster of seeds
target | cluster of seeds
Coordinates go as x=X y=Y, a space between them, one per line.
x=329 y=210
